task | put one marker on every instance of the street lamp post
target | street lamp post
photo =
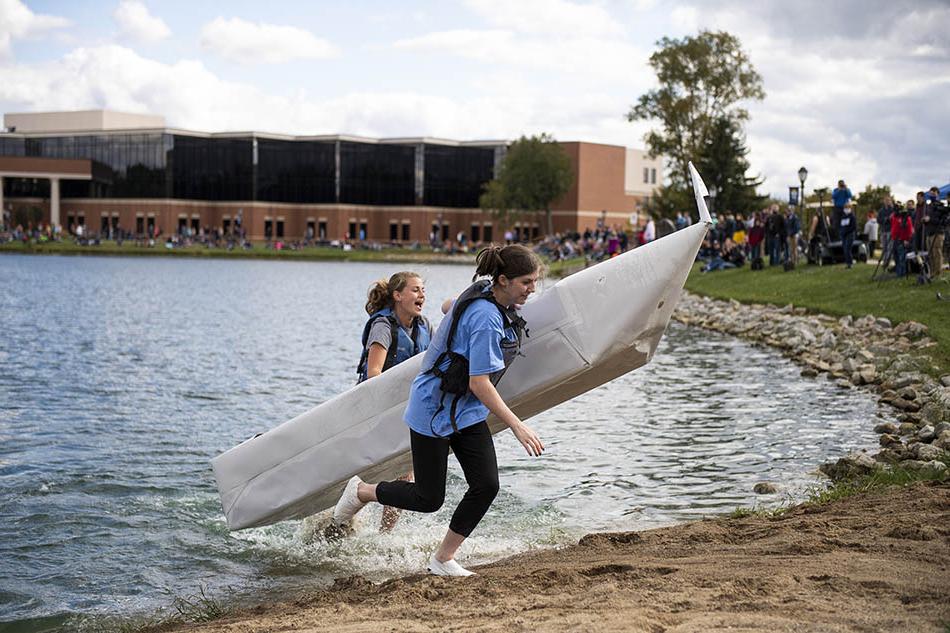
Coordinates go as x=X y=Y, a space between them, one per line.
x=802 y=175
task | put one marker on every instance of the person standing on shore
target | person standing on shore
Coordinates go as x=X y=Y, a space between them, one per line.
x=793 y=228
x=936 y=220
x=846 y=229
x=395 y=331
x=841 y=196
x=870 y=233
x=884 y=223
x=451 y=398
x=902 y=232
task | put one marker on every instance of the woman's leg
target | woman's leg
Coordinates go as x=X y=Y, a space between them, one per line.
x=430 y=462
x=391 y=514
x=475 y=451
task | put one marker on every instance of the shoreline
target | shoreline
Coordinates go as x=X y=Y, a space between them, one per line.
x=867 y=562
x=868 y=353
x=874 y=560
x=259 y=252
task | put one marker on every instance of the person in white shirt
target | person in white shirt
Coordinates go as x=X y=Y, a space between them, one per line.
x=649 y=231
x=870 y=232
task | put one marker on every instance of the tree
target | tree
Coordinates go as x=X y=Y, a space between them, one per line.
x=724 y=165
x=702 y=81
x=871 y=199
x=536 y=172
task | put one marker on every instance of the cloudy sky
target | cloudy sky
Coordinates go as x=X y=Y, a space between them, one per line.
x=858 y=90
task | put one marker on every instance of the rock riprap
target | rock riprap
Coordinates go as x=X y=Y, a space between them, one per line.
x=867 y=352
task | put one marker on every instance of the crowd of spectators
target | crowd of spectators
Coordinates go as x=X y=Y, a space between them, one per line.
x=911 y=234
x=905 y=233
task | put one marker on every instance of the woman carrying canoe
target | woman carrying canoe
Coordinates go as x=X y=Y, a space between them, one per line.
x=451 y=398
x=395 y=331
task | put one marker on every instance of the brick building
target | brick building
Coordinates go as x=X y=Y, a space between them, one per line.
x=106 y=169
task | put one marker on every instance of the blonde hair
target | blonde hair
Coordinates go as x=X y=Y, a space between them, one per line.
x=380 y=294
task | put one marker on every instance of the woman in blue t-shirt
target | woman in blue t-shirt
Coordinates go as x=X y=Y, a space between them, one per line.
x=451 y=398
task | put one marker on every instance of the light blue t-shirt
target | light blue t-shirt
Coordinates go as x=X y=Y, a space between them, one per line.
x=478 y=338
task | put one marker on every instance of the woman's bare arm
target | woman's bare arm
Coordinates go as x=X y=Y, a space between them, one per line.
x=375 y=360
x=485 y=391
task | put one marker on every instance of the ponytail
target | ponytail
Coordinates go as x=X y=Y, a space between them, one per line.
x=511 y=261
x=380 y=294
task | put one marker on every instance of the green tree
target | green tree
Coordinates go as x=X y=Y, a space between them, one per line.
x=723 y=165
x=536 y=172
x=702 y=81
x=871 y=199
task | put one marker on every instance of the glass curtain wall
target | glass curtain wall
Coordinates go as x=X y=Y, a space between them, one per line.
x=164 y=165
x=454 y=176
x=212 y=168
x=373 y=173
x=296 y=171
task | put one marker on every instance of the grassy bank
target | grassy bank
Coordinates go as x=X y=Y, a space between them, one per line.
x=310 y=253
x=837 y=291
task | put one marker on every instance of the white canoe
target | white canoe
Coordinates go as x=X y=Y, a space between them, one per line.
x=586 y=330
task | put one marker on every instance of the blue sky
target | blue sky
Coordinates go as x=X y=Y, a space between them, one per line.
x=856 y=90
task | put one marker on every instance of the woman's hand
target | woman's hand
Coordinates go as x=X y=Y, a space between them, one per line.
x=528 y=438
x=485 y=391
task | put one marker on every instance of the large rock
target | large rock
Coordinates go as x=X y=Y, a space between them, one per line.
x=908 y=393
x=907 y=428
x=926 y=434
x=906 y=405
x=886 y=427
x=764 y=488
x=943 y=441
x=852 y=465
x=928 y=452
x=945 y=380
x=887 y=439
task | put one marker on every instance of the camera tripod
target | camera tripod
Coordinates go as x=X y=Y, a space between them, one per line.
x=883 y=262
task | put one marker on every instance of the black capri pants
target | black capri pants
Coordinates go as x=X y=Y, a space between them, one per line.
x=475 y=450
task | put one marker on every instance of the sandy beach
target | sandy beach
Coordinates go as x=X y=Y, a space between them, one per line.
x=875 y=562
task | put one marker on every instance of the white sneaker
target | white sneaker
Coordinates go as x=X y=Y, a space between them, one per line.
x=448 y=568
x=349 y=503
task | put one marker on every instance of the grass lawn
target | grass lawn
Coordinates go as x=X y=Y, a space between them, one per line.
x=316 y=253
x=838 y=291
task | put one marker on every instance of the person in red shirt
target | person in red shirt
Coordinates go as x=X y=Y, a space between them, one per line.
x=902 y=232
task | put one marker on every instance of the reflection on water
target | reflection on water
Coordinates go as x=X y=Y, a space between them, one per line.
x=121 y=378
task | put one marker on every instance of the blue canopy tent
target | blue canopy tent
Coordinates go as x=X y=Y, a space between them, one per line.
x=944 y=190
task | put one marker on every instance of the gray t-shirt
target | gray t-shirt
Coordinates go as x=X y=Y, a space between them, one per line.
x=381 y=332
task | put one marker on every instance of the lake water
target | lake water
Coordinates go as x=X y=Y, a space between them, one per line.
x=120 y=378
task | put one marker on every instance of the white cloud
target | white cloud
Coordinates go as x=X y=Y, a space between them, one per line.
x=17 y=21
x=137 y=24
x=685 y=19
x=258 y=43
x=192 y=97
x=612 y=59
x=547 y=16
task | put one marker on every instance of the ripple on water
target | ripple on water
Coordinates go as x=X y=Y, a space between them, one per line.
x=148 y=368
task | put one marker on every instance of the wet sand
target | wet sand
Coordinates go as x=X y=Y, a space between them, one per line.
x=876 y=562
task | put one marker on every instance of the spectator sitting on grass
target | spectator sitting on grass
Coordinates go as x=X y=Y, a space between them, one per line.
x=729 y=256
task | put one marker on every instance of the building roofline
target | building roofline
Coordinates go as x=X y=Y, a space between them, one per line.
x=398 y=140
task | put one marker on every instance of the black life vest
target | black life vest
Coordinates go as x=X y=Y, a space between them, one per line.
x=454 y=378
